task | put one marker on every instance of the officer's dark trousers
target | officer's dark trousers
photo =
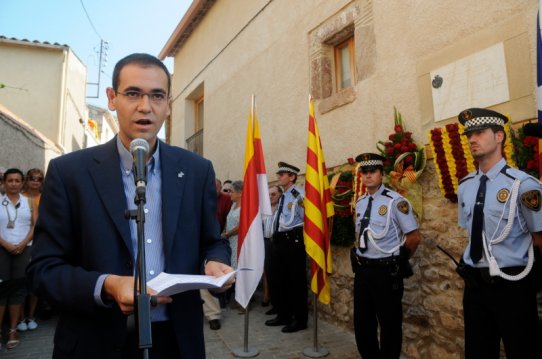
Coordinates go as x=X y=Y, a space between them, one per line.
x=289 y=276
x=377 y=301
x=503 y=309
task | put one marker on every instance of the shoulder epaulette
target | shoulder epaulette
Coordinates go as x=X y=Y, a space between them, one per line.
x=295 y=192
x=504 y=171
x=387 y=193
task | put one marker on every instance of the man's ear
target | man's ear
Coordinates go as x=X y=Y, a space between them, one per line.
x=111 y=98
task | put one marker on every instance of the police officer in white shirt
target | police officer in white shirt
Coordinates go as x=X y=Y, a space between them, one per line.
x=289 y=261
x=387 y=235
x=500 y=208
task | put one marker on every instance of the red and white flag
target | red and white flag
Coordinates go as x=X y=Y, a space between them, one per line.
x=254 y=203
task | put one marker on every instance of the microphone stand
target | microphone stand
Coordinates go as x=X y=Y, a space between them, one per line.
x=142 y=300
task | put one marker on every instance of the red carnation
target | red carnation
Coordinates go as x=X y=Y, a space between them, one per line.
x=398 y=128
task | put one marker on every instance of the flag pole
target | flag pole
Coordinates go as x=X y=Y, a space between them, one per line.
x=315 y=228
x=315 y=351
x=246 y=352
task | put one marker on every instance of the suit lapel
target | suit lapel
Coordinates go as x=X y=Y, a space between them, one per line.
x=173 y=183
x=105 y=172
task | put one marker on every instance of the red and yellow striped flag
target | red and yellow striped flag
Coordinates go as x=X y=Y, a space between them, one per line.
x=318 y=208
x=254 y=203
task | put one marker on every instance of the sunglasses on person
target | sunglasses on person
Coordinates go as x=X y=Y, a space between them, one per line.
x=35 y=179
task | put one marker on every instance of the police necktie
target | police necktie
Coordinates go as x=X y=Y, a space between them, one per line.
x=365 y=223
x=279 y=212
x=476 y=245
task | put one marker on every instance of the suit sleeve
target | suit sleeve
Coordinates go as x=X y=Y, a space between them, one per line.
x=52 y=270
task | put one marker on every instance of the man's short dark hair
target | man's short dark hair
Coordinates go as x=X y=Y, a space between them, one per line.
x=144 y=60
x=12 y=171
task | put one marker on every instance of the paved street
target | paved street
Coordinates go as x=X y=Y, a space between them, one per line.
x=269 y=341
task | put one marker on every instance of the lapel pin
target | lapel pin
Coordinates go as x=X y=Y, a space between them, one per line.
x=180 y=174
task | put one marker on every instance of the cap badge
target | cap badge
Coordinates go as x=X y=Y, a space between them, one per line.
x=467 y=115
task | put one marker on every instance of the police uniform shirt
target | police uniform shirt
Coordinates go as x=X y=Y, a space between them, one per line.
x=292 y=209
x=401 y=219
x=513 y=251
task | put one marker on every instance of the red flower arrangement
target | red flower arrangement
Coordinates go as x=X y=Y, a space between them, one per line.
x=401 y=153
x=446 y=183
x=526 y=152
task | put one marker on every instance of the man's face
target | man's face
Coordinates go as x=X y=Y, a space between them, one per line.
x=285 y=178
x=372 y=179
x=140 y=117
x=274 y=195
x=13 y=183
x=484 y=142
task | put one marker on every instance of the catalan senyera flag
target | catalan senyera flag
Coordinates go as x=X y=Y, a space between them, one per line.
x=254 y=203
x=318 y=208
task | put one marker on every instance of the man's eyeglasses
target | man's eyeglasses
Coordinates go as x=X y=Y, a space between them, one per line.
x=36 y=179
x=133 y=96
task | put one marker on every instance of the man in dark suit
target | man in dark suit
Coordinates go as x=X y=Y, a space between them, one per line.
x=84 y=254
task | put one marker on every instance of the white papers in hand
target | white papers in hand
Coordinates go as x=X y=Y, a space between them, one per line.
x=168 y=284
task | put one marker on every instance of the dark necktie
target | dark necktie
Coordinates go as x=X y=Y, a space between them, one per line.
x=365 y=223
x=279 y=212
x=476 y=244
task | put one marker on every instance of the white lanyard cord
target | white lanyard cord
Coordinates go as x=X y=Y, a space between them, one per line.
x=494 y=269
x=373 y=235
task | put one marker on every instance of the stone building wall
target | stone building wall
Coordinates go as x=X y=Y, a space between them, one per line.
x=432 y=302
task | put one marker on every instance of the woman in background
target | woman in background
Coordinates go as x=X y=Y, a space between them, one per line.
x=232 y=221
x=31 y=190
x=17 y=219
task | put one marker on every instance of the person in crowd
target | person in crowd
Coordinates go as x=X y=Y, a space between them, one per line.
x=32 y=191
x=387 y=236
x=17 y=219
x=288 y=258
x=500 y=208
x=86 y=250
x=226 y=187
x=274 y=195
x=224 y=204
x=232 y=220
x=232 y=228
x=212 y=303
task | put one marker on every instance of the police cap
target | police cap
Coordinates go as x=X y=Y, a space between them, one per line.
x=476 y=119
x=285 y=167
x=370 y=161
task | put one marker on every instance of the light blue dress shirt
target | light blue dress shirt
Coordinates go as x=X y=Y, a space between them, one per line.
x=154 y=246
x=385 y=208
x=513 y=251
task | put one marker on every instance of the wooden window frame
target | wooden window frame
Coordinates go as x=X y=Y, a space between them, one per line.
x=338 y=68
x=197 y=125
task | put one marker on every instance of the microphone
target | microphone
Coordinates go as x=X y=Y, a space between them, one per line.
x=533 y=129
x=139 y=148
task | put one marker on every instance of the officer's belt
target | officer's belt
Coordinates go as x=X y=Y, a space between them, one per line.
x=377 y=262
x=292 y=234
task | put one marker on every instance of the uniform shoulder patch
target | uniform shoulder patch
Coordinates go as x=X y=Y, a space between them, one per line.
x=531 y=200
x=403 y=207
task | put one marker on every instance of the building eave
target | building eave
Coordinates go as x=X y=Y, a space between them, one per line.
x=191 y=19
